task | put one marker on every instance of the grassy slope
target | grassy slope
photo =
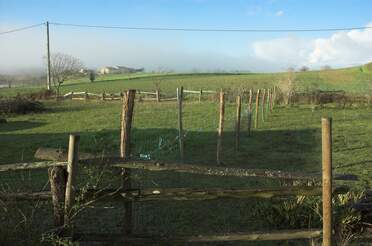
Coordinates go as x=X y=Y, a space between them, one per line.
x=288 y=140
x=354 y=80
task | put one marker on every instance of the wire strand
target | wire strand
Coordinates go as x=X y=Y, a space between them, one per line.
x=21 y=28
x=211 y=30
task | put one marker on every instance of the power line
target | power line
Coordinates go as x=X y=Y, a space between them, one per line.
x=21 y=29
x=211 y=30
x=189 y=29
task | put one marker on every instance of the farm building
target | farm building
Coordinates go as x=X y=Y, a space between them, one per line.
x=118 y=69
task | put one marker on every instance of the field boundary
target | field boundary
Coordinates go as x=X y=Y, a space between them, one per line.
x=64 y=190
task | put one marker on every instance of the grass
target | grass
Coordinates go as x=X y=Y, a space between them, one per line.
x=288 y=140
x=352 y=80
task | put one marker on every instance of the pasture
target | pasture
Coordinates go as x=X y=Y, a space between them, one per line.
x=351 y=80
x=288 y=140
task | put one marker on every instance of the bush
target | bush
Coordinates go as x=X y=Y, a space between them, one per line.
x=20 y=105
x=39 y=95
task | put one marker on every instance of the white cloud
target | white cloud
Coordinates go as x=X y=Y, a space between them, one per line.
x=340 y=49
x=279 y=13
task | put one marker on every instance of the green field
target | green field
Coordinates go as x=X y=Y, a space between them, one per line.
x=289 y=139
x=352 y=80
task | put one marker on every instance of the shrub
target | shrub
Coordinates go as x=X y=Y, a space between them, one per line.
x=92 y=76
x=287 y=86
x=20 y=105
x=39 y=95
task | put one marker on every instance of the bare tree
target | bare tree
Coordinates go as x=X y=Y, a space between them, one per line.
x=288 y=85
x=326 y=67
x=63 y=67
x=304 y=69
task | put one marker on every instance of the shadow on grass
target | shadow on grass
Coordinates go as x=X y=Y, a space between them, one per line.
x=290 y=150
x=286 y=150
x=19 y=125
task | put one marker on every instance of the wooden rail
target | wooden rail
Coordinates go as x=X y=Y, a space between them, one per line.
x=225 y=237
x=182 y=194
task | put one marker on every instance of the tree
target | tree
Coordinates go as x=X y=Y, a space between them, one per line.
x=288 y=85
x=92 y=75
x=63 y=66
x=304 y=69
x=326 y=67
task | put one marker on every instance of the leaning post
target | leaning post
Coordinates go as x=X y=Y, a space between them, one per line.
x=126 y=125
x=257 y=109
x=327 y=180
x=237 y=122
x=180 y=125
x=72 y=161
x=220 y=127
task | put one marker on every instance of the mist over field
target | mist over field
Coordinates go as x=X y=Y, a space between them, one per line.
x=24 y=51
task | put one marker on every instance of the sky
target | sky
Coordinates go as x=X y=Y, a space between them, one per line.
x=188 y=51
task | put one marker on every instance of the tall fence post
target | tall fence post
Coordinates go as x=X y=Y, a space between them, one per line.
x=271 y=100
x=249 y=112
x=268 y=102
x=220 y=127
x=237 y=122
x=200 y=95
x=257 y=109
x=327 y=180
x=274 y=96
x=250 y=100
x=180 y=125
x=72 y=161
x=57 y=180
x=126 y=126
x=157 y=96
x=263 y=105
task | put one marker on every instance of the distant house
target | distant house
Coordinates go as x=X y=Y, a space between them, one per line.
x=118 y=70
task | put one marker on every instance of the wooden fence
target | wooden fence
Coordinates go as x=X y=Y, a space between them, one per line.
x=62 y=170
x=143 y=95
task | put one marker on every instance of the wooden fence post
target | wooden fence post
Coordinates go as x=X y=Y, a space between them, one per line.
x=263 y=105
x=180 y=126
x=271 y=100
x=274 y=96
x=268 y=102
x=327 y=180
x=237 y=122
x=126 y=126
x=57 y=180
x=257 y=108
x=157 y=96
x=220 y=127
x=72 y=161
x=250 y=100
x=249 y=122
x=126 y=123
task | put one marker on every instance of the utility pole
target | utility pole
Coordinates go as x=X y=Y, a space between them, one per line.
x=49 y=77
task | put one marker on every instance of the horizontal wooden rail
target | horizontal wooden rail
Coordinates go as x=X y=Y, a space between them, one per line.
x=176 y=167
x=146 y=92
x=225 y=237
x=182 y=194
x=191 y=92
x=31 y=165
x=169 y=99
